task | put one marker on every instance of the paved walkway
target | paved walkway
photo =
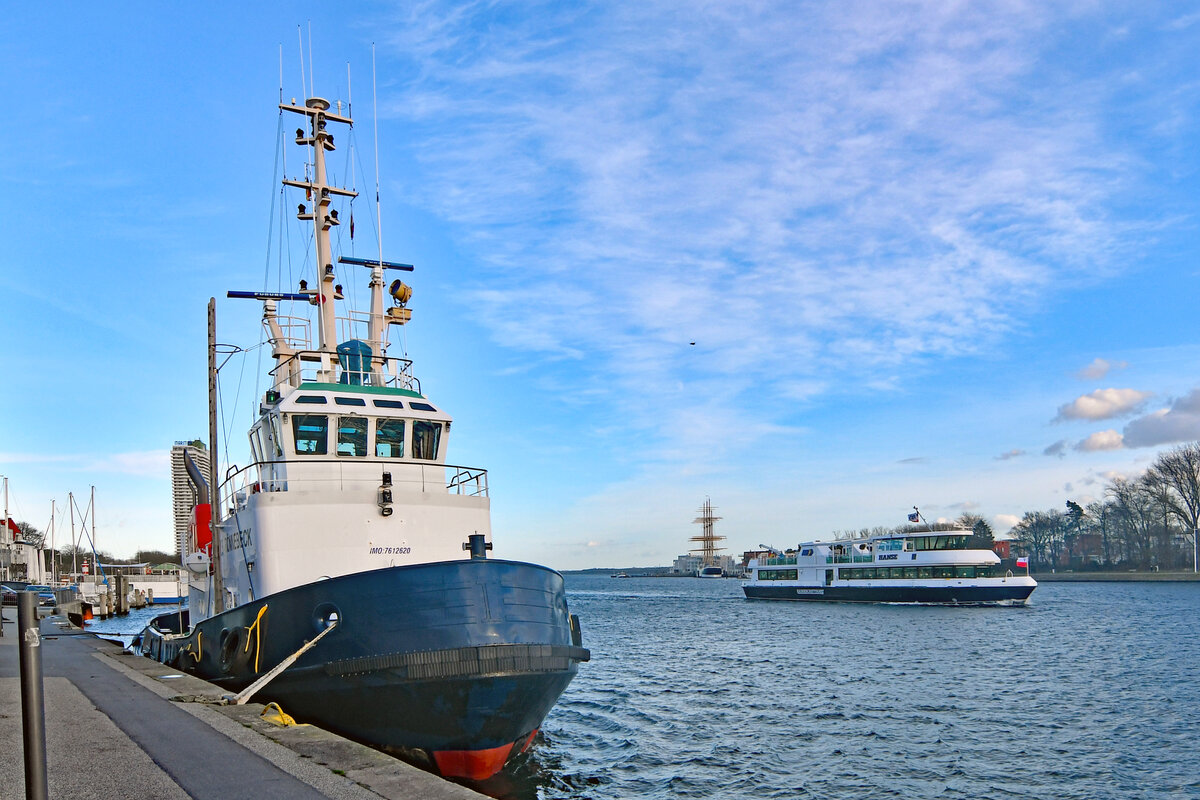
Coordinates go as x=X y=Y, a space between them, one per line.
x=111 y=731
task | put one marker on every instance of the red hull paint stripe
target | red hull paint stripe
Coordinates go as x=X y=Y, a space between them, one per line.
x=474 y=765
x=528 y=741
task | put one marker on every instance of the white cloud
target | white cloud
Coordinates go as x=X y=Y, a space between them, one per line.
x=1103 y=404
x=817 y=197
x=1101 y=440
x=1011 y=454
x=1178 y=423
x=1005 y=521
x=144 y=464
x=1099 y=368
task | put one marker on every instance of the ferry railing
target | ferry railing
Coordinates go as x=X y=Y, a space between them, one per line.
x=779 y=561
x=463 y=481
x=378 y=371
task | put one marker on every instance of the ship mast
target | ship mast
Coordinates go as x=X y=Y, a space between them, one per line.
x=323 y=217
x=708 y=540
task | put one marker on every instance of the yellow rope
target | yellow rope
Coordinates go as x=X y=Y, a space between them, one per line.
x=199 y=647
x=257 y=636
x=278 y=716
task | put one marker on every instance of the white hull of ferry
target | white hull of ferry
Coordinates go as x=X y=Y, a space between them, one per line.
x=912 y=567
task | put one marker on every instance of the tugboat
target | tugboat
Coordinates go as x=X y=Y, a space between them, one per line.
x=351 y=546
x=907 y=567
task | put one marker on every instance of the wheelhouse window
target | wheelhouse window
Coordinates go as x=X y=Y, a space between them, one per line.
x=352 y=436
x=389 y=438
x=426 y=436
x=312 y=434
x=256 y=451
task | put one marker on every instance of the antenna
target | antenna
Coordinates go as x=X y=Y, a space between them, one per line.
x=312 y=79
x=375 y=109
x=300 y=37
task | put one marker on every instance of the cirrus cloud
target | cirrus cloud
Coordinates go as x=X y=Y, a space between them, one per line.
x=1099 y=368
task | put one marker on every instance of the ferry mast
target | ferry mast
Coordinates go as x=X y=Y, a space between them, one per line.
x=707 y=539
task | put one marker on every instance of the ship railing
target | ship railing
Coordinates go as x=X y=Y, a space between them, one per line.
x=781 y=561
x=241 y=482
x=312 y=366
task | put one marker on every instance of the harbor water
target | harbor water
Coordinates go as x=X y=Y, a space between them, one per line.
x=692 y=691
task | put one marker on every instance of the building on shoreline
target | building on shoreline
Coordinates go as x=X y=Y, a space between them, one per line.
x=183 y=493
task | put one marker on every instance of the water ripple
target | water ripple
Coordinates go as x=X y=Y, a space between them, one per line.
x=694 y=692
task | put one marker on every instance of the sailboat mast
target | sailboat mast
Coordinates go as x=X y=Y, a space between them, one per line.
x=53 y=555
x=74 y=541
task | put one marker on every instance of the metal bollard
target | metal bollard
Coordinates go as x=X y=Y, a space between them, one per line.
x=33 y=711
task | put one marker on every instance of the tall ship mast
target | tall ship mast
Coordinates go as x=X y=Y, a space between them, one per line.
x=352 y=546
x=708 y=542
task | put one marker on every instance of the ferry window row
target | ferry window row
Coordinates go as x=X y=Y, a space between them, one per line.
x=315 y=434
x=957 y=542
x=777 y=574
x=892 y=573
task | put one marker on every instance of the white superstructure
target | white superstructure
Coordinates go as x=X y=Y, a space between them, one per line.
x=349 y=468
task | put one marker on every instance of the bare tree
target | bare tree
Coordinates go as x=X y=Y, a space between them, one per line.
x=31 y=535
x=1178 y=473
x=1041 y=532
x=1134 y=506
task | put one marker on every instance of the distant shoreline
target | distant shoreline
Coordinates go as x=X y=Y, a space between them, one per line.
x=1115 y=577
x=1041 y=577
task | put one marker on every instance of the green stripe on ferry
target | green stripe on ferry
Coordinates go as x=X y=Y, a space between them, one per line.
x=344 y=388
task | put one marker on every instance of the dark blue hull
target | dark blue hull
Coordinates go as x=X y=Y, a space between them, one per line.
x=895 y=594
x=455 y=657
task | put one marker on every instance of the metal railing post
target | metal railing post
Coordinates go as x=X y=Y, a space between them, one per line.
x=33 y=712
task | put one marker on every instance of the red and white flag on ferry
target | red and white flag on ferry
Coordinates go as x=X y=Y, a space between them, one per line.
x=1023 y=561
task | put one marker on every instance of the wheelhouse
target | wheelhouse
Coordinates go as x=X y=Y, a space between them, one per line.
x=312 y=424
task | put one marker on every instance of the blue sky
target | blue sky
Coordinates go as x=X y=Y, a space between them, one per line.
x=935 y=254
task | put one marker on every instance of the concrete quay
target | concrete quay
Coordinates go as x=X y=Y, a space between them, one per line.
x=113 y=730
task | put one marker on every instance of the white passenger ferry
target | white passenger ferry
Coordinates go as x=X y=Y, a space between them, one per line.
x=910 y=567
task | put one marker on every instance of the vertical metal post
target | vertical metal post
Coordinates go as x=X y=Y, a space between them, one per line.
x=33 y=712
x=214 y=488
